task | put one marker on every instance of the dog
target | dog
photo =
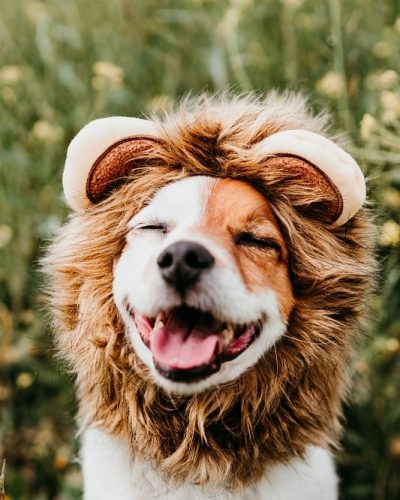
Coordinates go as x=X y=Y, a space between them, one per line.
x=205 y=292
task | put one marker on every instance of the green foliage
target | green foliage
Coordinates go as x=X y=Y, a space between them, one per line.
x=64 y=63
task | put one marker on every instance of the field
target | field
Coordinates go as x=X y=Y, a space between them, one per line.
x=63 y=63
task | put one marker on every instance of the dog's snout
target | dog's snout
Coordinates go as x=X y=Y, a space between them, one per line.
x=182 y=263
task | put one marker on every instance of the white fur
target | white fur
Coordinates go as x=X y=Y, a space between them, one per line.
x=221 y=291
x=110 y=474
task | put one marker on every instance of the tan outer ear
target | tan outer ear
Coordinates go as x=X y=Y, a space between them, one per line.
x=93 y=145
x=332 y=163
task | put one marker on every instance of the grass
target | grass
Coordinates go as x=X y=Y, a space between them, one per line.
x=64 y=63
x=2 y=480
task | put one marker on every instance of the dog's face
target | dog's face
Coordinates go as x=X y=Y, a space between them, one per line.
x=203 y=284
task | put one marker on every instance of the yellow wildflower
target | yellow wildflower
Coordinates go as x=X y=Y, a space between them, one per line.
x=46 y=132
x=10 y=74
x=392 y=345
x=107 y=75
x=383 y=81
x=390 y=235
x=24 y=380
x=367 y=126
x=391 y=197
x=331 y=84
x=6 y=234
x=382 y=49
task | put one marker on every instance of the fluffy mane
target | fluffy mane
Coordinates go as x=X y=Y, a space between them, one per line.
x=292 y=397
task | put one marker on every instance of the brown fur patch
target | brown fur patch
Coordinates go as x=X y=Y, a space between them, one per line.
x=292 y=398
x=234 y=207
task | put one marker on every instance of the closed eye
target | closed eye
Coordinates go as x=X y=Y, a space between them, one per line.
x=251 y=240
x=152 y=226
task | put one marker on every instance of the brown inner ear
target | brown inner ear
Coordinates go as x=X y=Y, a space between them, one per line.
x=324 y=202
x=115 y=165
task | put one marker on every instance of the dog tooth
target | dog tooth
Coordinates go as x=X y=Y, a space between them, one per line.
x=160 y=320
x=160 y=316
x=227 y=334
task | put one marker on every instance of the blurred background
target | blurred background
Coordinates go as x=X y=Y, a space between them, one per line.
x=63 y=63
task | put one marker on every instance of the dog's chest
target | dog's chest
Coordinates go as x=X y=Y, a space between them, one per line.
x=109 y=473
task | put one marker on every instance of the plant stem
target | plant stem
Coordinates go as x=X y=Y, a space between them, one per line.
x=339 y=62
x=289 y=48
x=2 y=481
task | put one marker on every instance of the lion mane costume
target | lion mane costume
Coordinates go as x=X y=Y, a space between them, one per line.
x=228 y=435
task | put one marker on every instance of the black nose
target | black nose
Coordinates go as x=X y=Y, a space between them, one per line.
x=182 y=263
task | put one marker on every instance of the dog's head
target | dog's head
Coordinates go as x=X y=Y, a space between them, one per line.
x=220 y=255
x=203 y=282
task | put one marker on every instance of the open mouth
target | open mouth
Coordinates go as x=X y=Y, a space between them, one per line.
x=189 y=345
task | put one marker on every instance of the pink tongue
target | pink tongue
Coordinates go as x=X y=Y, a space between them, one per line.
x=178 y=346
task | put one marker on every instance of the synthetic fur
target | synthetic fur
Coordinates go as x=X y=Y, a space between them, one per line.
x=292 y=397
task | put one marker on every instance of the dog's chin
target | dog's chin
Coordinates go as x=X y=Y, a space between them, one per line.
x=188 y=350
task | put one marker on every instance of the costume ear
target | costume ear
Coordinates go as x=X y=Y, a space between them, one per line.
x=321 y=164
x=102 y=154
